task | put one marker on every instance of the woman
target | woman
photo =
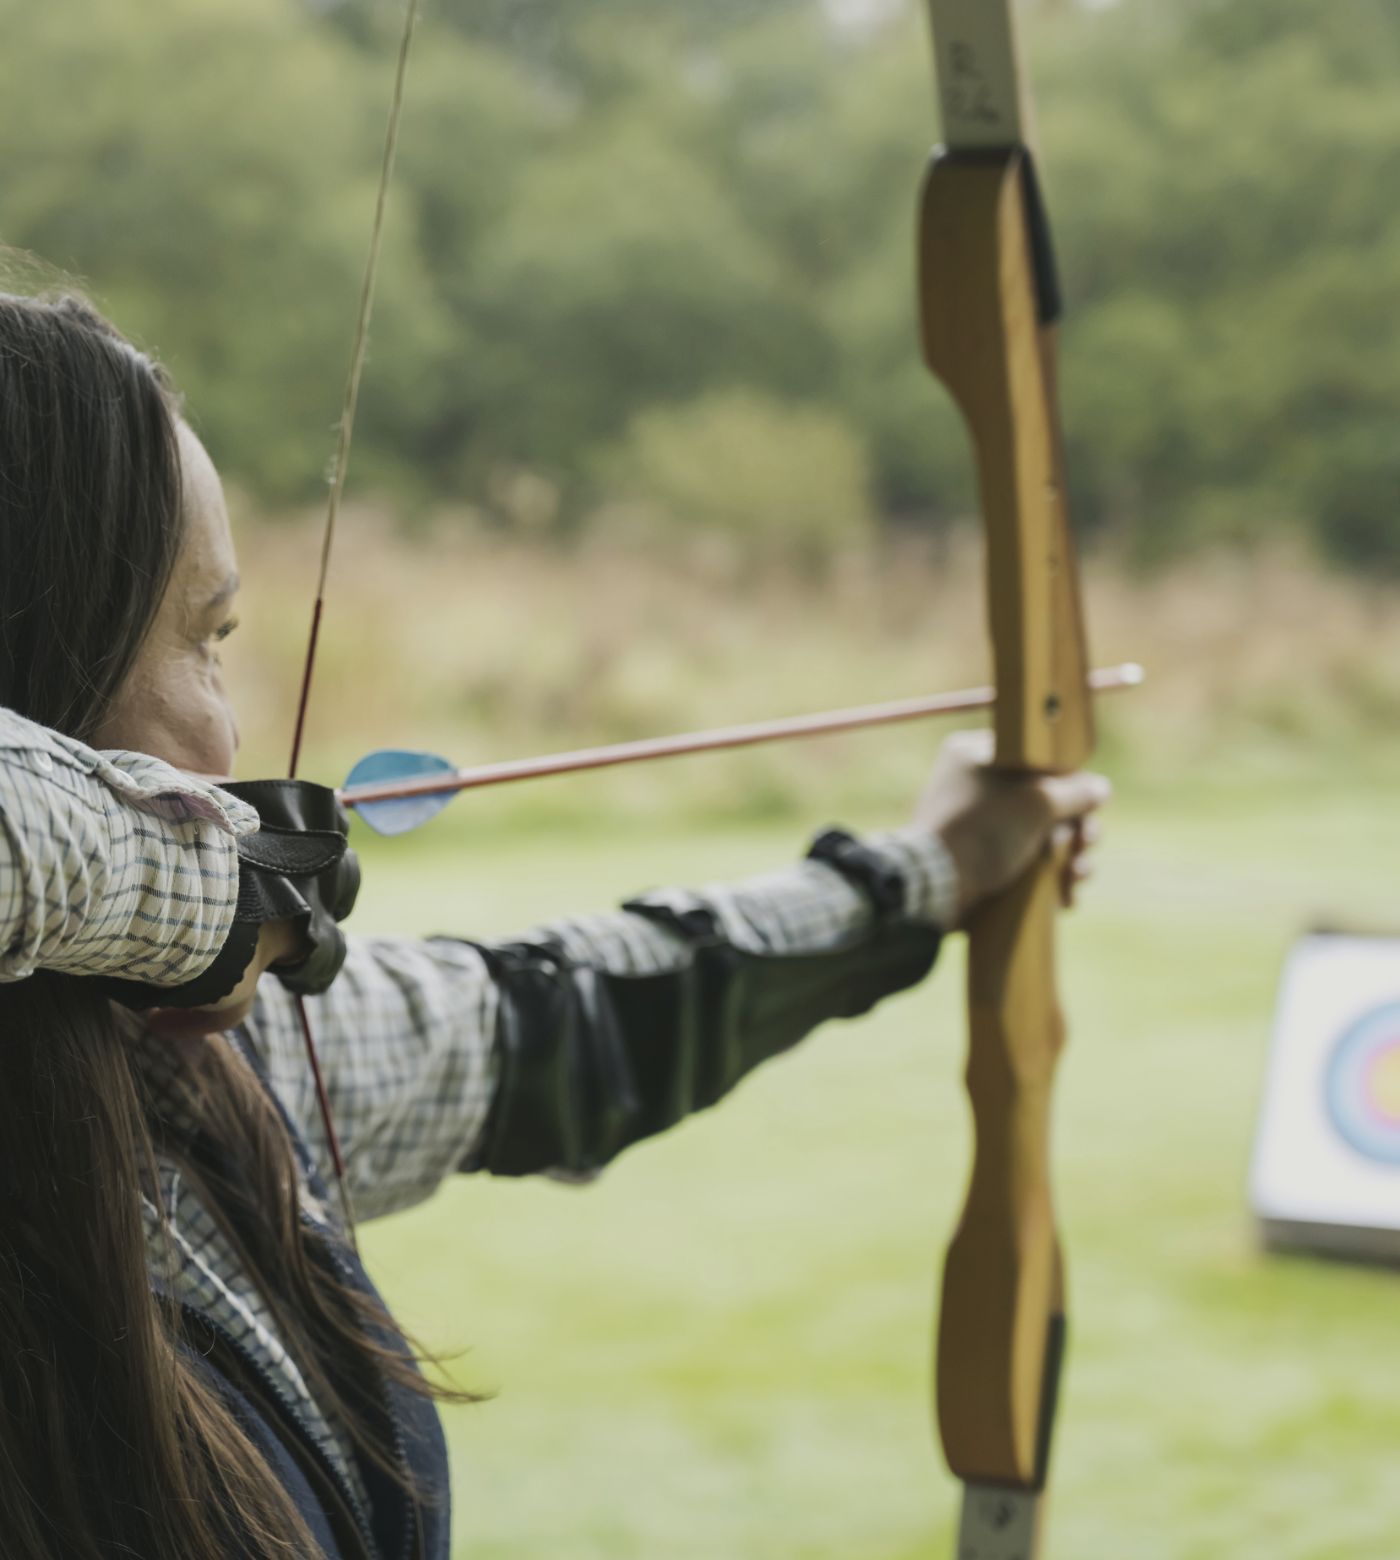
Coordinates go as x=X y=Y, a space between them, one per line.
x=196 y=1365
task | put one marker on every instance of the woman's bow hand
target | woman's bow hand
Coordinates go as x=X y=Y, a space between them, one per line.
x=996 y=825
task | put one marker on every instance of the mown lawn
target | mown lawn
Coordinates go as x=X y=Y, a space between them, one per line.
x=722 y=1348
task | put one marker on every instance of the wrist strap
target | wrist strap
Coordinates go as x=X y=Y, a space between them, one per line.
x=878 y=879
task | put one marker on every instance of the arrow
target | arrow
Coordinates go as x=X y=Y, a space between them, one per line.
x=396 y=790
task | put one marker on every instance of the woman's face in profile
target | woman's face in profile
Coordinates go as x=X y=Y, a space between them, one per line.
x=173 y=704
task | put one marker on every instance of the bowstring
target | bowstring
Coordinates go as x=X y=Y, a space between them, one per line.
x=344 y=439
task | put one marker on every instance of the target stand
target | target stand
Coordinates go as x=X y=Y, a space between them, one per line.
x=1325 y=1175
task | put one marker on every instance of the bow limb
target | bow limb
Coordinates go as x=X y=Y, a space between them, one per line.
x=988 y=309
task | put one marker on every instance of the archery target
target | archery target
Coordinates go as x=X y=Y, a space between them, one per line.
x=1326 y=1168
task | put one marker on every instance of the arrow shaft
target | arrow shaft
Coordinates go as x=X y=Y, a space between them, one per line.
x=1106 y=680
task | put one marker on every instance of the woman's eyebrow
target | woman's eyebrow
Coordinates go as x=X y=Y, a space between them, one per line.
x=224 y=594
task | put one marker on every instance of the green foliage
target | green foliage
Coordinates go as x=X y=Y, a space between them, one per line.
x=628 y=257
x=736 y=462
x=611 y=213
x=1235 y=353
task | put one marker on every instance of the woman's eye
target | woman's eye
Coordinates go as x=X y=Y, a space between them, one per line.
x=209 y=647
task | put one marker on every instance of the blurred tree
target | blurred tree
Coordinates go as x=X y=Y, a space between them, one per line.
x=1234 y=361
x=772 y=478
x=206 y=170
x=622 y=277
x=630 y=207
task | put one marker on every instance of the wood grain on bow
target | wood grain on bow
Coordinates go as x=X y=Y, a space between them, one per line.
x=989 y=305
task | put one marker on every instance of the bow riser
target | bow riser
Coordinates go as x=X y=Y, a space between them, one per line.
x=986 y=287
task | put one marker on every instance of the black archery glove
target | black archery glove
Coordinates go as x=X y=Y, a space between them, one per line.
x=298 y=867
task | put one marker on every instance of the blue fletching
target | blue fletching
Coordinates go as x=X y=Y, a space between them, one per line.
x=389 y=764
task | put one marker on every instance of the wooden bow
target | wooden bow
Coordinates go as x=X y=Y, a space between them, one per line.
x=989 y=306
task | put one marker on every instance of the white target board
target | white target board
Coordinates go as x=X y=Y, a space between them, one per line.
x=1326 y=1168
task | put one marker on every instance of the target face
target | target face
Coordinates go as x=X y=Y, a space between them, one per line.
x=1363 y=1084
x=1326 y=1169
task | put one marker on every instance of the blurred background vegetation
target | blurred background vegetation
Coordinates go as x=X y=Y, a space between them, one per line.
x=645 y=332
x=645 y=443
x=645 y=253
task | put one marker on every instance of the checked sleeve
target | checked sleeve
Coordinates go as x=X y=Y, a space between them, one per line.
x=110 y=864
x=554 y=1051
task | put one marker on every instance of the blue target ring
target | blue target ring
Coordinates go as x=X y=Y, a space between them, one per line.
x=1363 y=1084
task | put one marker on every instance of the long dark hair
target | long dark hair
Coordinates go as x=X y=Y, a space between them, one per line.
x=111 y=1441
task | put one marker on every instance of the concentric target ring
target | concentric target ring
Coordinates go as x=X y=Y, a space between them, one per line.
x=1363 y=1084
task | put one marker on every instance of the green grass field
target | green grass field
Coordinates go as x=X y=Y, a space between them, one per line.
x=722 y=1348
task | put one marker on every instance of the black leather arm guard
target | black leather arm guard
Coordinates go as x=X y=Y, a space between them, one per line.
x=298 y=867
x=592 y=1062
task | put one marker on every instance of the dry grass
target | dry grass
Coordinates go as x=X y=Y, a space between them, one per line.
x=484 y=647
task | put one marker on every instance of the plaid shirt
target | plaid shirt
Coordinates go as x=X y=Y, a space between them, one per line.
x=117 y=863
x=110 y=863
